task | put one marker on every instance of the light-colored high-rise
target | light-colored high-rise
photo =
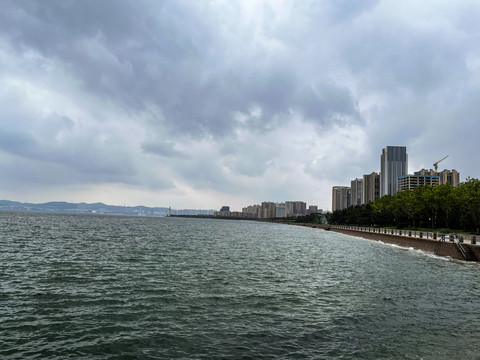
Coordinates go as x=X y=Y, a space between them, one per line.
x=371 y=187
x=340 y=197
x=252 y=211
x=393 y=164
x=451 y=177
x=270 y=208
x=280 y=210
x=357 y=189
x=410 y=182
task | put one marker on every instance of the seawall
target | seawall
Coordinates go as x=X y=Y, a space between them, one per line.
x=424 y=243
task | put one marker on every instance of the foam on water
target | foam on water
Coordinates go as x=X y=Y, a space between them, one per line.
x=411 y=249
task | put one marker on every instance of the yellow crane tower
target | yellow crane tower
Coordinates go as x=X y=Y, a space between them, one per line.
x=436 y=165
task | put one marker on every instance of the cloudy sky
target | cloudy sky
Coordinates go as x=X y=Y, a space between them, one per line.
x=204 y=103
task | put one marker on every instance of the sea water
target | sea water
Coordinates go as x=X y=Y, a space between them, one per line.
x=109 y=287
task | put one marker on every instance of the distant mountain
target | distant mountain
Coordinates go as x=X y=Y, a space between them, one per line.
x=95 y=208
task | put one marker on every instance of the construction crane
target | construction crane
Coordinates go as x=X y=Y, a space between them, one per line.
x=436 y=165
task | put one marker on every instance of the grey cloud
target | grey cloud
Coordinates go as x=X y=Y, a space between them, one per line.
x=251 y=160
x=27 y=135
x=119 y=51
x=346 y=10
x=182 y=71
x=203 y=173
x=49 y=25
x=392 y=56
x=165 y=149
x=324 y=101
x=21 y=172
x=82 y=156
x=17 y=143
x=38 y=164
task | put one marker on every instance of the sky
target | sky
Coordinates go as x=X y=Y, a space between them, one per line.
x=203 y=103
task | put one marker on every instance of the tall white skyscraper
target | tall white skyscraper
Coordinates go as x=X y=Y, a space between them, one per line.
x=393 y=163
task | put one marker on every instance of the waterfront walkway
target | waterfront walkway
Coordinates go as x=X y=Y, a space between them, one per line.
x=427 y=235
x=462 y=247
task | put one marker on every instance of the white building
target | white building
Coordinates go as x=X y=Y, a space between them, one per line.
x=281 y=210
x=410 y=182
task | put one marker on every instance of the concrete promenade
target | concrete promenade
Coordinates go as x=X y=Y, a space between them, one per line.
x=426 y=241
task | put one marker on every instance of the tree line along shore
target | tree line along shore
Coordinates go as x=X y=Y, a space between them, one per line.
x=429 y=207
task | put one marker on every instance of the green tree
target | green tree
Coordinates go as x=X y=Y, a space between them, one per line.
x=426 y=206
x=469 y=196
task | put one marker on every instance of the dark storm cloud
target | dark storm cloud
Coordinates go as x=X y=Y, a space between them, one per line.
x=227 y=95
x=50 y=25
x=395 y=59
x=119 y=50
x=324 y=101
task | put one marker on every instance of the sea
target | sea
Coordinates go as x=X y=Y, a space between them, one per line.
x=113 y=287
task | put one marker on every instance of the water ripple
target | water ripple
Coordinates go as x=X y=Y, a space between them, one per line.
x=149 y=288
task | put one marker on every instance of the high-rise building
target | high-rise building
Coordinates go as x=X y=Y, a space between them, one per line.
x=357 y=189
x=288 y=208
x=296 y=208
x=251 y=211
x=410 y=182
x=393 y=164
x=371 y=187
x=451 y=177
x=280 y=210
x=271 y=209
x=340 y=197
x=262 y=213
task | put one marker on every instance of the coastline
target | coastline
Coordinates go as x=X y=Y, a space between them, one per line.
x=446 y=249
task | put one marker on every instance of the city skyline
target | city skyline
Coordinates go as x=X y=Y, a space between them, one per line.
x=193 y=105
x=269 y=210
x=392 y=178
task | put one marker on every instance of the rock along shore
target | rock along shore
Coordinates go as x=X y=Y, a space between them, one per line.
x=407 y=239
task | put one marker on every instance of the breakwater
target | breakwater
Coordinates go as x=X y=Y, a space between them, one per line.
x=463 y=248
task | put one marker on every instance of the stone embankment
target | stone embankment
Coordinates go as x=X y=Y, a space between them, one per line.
x=460 y=248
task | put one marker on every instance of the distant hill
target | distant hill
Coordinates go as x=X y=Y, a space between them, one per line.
x=96 y=208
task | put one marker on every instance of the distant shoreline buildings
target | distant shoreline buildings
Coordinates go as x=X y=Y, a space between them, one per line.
x=392 y=178
x=268 y=210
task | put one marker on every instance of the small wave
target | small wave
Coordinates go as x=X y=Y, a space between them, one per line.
x=437 y=257
x=430 y=255
x=388 y=244
x=417 y=251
